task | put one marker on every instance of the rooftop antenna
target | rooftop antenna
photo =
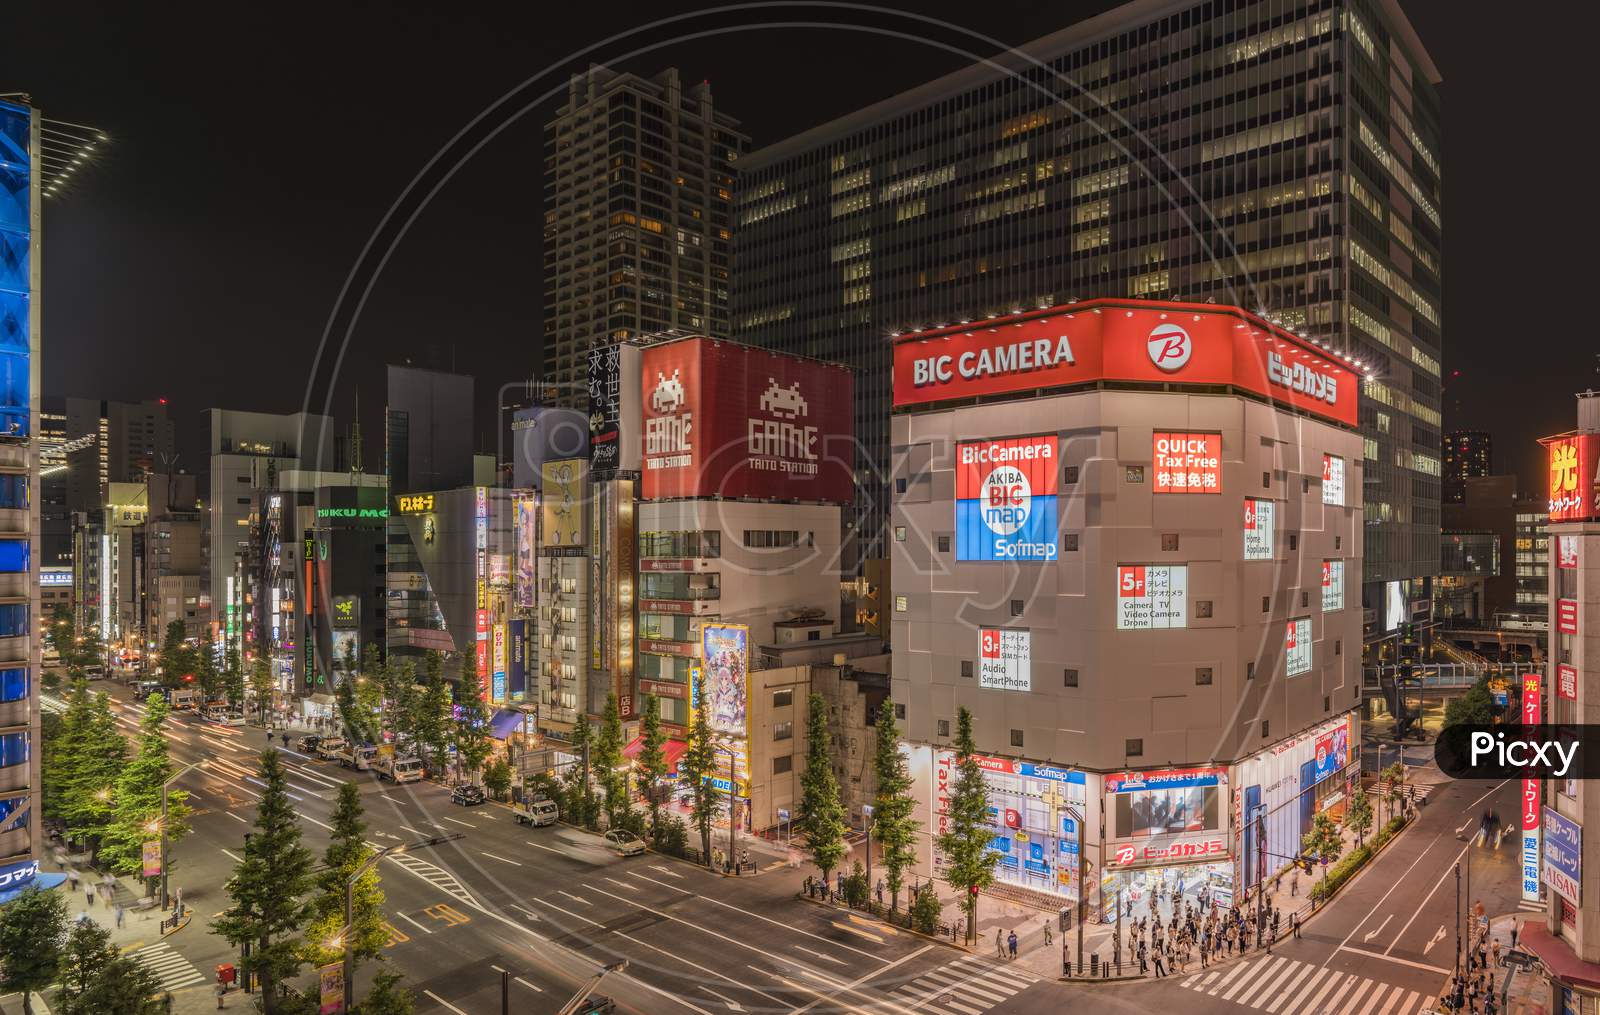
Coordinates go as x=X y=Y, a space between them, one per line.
x=355 y=441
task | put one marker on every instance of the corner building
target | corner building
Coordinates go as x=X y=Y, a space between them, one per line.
x=1127 y=537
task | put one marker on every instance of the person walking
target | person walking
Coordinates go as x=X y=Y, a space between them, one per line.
x=121 y=914
x=880 y=891
x=1047 y=930
x=999 y=943
x=1516 y=928
x=1011 y=943
x=1161 y=969
x=88 y=896
x=1294 y=923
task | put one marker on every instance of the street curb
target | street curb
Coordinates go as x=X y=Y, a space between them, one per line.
x=936 y=939
x=1365 y=869
x=182 y=924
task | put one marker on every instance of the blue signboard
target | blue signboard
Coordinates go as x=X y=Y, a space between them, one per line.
x=1006 y=500
x=1563 y=856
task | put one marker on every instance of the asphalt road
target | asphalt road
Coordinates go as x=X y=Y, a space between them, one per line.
x=1386 y=944
x=549 y=905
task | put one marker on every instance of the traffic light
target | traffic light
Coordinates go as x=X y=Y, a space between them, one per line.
x=973 y=891
x=188 y=678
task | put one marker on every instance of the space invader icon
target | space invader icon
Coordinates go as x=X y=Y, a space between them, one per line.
x=668 y=396
x=785 y=403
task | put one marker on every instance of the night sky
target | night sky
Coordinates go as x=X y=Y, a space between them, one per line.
x=258 y=147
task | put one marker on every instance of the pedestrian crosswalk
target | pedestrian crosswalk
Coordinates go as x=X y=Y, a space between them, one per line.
x=172 y=970
x=967 y=986
x=1284 y=986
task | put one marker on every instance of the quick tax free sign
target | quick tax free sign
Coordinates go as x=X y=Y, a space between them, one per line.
x=1187 y=462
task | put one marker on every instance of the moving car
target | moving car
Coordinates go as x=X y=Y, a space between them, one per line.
x=595 y=1004
x=625 y=843
x=467 y=795
x=537 y=813
x=308 y=743
x=330 y=747
x=400 y=770
x=223 y=715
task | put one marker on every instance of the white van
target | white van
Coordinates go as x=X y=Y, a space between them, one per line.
x=399 y=770
x=537 y=813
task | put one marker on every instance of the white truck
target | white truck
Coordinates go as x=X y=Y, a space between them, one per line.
x=329 y=749
x=537 y=813
x=357 y=756
x=399 y=770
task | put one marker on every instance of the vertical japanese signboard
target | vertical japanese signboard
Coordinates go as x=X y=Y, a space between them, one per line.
x=1187 y=462
x=1005 y=659
x=1572 y=476
x=1258 y=529
x=1297 y=647
x=1531 y=716
x=1567 y=552
x=1567 y=681
x=1332 y=480
x=1152 y=596
x=1563 y=856
x=1567 y=616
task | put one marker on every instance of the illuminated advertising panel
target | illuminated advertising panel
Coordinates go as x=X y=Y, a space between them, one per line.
x=497 y=682
x=1297 y=647
x=1005 y=659
x=1333 y=752
x=1394 y=605
x=1006 y=500
x=1122 y=340
x=1572 y=476
x=1258 y=516
x=1187 y=462
x=1530 y=803
x=1563 y=856
x=1567 y=681
x=1152 y=596
x=1567 y=616
x=564 y=503
x=481 y=540
x=525 y=576
x=727 y=420
x=1332 y=585
x=725 y=656
x=613 y=409
x=1332 y=480
x=1567 y=552
x=346 y=612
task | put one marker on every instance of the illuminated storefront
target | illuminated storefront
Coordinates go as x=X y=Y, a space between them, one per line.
x=1166 y=832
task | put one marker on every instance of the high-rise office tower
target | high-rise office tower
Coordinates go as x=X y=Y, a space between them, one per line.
x=639 y=179
x=1467 y=454
x=88 y=443
x=1281 y=156
x=428 y=429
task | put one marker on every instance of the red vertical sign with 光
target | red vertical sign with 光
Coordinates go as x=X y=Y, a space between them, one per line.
x=1531 y=716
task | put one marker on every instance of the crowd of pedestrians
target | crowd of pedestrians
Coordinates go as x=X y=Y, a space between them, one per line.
x=1198 y=931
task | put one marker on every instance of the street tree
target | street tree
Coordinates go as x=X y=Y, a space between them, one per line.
x=1358 y=816
x=261 y=685
x=497 y=778
x=1323 y=842
x=136 y=801
x=233 y=679
x=370 y=690
x=175 y=659
x=97 y=979
x=347 y=851
x=471 y=728
x=206 y=673
x=652 y=758
x=63 y=631
x=821 y=819
x=65 y=754
x=965 y=844
x=696 y=766
x=606 y=762
x=893 y=824
x=388 y=997
x=431 y=720
x=51 y=725
x=93 y=776
x=396 y=679
x=344 y=703
x=89 y=650
x=580 y=802
x=31 y=929
x=268 y=888
x=1392 y=781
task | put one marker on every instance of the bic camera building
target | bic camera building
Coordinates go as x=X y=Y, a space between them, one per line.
x=1127 y=537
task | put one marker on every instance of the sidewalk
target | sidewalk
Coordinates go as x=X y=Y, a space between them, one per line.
x=192 y=989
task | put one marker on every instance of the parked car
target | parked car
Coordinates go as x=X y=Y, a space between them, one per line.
x=183 y=700
x=308 y=744
x=399 y=770
x=537 y=813
x=94 y=671
x=467 y=795
x=359 y=758
x=330 y=747
x=625 y=843
x=595 y=1004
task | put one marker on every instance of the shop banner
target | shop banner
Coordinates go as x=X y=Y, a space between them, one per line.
x=1563 y=856
x=1530 y=798
x=1567 y=552
x=1566 y=682
x=330 y=979
x=1333 y=753
x=1166 y=778
x=1567 y=616
x=151 y=855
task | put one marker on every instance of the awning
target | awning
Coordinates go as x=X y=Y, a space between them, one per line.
x=43 y=882
x=505 y=722
x=1558 y=956
x=672 y=750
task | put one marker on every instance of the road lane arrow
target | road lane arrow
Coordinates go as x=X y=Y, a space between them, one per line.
x=1372 y=934
x=730 y=1002
x=1438 y=936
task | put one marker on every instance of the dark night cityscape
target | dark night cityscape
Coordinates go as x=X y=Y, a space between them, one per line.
x=796 y=507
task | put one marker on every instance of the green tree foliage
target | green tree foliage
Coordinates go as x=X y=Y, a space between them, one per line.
x=175 y=659
x=31 y=928
x=347 y=851
x=821 y=816
x=63 y=632
x=1392 y=783
x=89 y=650
x=1476 y=707
x=396 y=680
x=64 y=752
x=268 y=888
x=388 y=997
x=652 y=760
x=136 y=802
x=497 y=778
x=51 y=730
x=96 y=979
x=965 y=844
x=432 y=724
x=696 y=766
x=233 y=679
x=925 y=910
x=471 y=728
x=206 y=673
x=892 y=809
x=1358 y=816
x=344 y=703
x=579 y=796
x=262 y=685
x=94 y=773
x=1323 y=841
x=605 y=760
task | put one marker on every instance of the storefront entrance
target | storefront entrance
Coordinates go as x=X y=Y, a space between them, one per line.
x=1166 y=888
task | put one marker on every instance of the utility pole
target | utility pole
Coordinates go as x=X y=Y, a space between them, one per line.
x=871 y=827
x=1458 y=918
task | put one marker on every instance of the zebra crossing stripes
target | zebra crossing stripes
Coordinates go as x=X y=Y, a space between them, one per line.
x=967 y=986
x=1284 y=986
x=434 y=875
x=173 y=971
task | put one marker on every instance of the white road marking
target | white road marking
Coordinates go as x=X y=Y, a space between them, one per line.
x=463 y=824
x=1369 y=935
x=547 y=849
x=236 y=817
x=514 y=863
x=803 y=948
x=725 y=999
x=623 y=884
x=414 y=923
x=1438 y=936
x=531 y=986
x=232 y=856
x=1373 y=911
x=1395 y=959
x=442 y=1001
x=530 y=914
x=1448 y=870
x=668 y=873
x=575 y=898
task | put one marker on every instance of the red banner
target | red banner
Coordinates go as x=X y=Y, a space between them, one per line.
x=1572 y=476
x=1530 y=717
x=1123 y=340
x=1567 y=616
x=1566 y=682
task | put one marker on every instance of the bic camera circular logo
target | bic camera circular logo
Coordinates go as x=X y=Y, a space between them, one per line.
x=1170 y=347
x=1007 y=498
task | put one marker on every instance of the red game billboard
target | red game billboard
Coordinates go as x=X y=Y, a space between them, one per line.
x=1124 y=340
x=726 y=420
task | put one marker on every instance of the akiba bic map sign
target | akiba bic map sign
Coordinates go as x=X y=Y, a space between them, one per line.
x=1006 y=499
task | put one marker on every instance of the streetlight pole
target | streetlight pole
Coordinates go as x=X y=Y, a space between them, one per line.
x=350 y=905
x=162 y=822
x=1458 y=918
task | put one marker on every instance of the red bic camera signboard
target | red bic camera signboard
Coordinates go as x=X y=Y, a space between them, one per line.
x=726 y=420
x=1122 y=340
x=1006 y=499
x=1187 y=462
